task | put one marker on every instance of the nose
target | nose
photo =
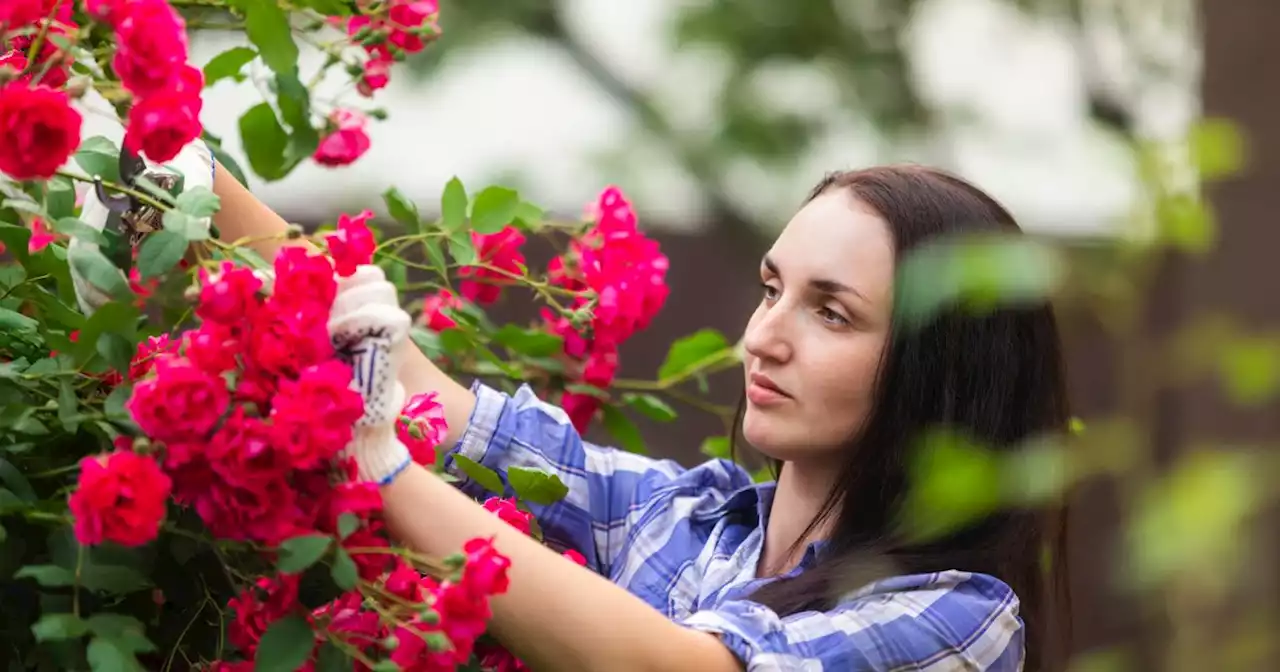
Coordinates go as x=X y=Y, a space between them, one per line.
x=767 y=336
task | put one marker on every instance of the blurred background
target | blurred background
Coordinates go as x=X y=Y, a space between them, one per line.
x=1087 y=118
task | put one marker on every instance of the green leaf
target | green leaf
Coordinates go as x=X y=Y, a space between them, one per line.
x=427 y=341
x=15 y=238
x=254 y=259
x=161 y=251
x=70 y=226
x=61 y=198
x=300 y=552
x=108 y=655
x=589 y=390
x=461 y=248
x=348 y=523
x=436 y=256
x=123 y=630
x=952 y=482
x=327 y=7
x=285 y=646
x=49 y=576
x=976 y=273
x=538 y=487
x=493 y=209
x=9 y=500
x=690 y=352
x=482 y=475
x=268 y=28
x=453 y=206
x=16 y=482
x=529 y=215
x=294 y=101
x=344 y=570
x=716 y=447
x=264 y=141
x=1187 y=222
x=199 y=202
x=1218 y=148
x=116 y=350
x=651 y=406
x=12 y=321
x=228 y=65
x=401 y=208
x=332 y=659
x=1249 y=369
x=622 y=430
x=67 y=403
x=99 y=272
x=99 y=156
x=455 y=341
x=531 y=342
x=117 y=318
x=52 y=627
x=190 y=228
x=113 y=578
x=1190 y=522
x=24 y=205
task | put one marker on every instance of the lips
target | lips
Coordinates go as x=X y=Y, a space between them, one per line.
x=767 y=383
x=762 y=391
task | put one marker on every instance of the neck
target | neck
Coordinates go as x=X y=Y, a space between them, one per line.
x=800 y=493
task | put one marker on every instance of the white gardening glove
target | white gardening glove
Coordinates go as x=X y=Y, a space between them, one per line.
x=194 y=163
x=366 y=324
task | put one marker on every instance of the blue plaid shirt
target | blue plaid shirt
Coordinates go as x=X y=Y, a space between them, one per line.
x=687 y=542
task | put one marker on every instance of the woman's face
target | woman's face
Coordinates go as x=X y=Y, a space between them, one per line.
x=814 y=343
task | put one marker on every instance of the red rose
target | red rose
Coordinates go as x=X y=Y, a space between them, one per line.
x=510 y=514
x=121 y=500
x=38 y=131
x=152 y=51
x=345 y=142
x=353 y=244
x=501 y=251
x=180 y=402
x=161 y=124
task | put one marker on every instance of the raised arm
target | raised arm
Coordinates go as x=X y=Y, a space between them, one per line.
x=244 y=216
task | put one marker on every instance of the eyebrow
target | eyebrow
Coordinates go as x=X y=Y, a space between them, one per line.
x=825 y=286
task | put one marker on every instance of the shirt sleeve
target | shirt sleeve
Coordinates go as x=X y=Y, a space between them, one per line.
x=609 y=489
x=956 y=621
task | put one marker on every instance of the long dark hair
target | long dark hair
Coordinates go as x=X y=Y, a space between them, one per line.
x=995 y=376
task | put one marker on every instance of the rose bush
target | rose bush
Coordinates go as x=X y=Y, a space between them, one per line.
x=173 y=489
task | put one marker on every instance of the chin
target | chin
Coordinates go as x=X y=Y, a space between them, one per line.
x=772 y=437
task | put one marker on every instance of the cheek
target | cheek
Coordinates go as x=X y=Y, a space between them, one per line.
x=843 y=383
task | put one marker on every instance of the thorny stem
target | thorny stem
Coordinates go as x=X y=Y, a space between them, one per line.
x=75 y=588
x=716 y=361
x=433 y=566
x=347 y=648
x=145 y=198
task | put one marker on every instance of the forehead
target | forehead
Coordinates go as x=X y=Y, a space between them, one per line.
x=836 y=237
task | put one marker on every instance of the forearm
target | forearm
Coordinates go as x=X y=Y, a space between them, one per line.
x=556 y=615
x=243 y=216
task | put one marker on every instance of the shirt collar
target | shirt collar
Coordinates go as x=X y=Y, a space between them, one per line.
x=755 y=500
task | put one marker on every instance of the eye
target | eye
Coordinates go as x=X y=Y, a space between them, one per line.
x=770 y=292
x=832 y=318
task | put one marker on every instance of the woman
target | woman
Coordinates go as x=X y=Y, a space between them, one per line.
x=700 y=569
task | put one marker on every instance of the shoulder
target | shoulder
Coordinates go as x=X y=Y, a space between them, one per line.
x=951 y=618
x=948 y=620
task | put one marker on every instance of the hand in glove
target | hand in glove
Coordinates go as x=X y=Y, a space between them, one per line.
x=366 y=325
x=194 y=164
